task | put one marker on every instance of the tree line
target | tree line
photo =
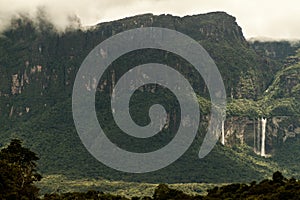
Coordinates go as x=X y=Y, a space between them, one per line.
x=18 y=175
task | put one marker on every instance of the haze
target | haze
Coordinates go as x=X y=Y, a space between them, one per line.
x=268 y=18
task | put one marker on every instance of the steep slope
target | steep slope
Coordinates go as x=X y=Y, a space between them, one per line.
x=38 y=67
x=278 y=50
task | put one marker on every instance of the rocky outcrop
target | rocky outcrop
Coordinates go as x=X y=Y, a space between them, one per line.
x=15 y=84
x=235 y=128
x=52 y=60
x=262 y=136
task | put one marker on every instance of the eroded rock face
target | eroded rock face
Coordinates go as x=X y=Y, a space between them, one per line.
x=15 y=84
x=52 y=60
x=18 y=82
x=240 y=130
x=235 y=130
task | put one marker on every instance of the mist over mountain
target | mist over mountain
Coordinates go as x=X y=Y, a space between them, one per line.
x=281 y=21
x=38 y=65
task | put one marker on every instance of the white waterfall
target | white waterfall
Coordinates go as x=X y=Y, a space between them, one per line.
x=254 y=136
x=223 y=133
x=258 y=135
x=263 y=136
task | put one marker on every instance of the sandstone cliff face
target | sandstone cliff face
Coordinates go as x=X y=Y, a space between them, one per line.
x=38 y=67
x=15 y=85
x=243 y=130
x=41 y=62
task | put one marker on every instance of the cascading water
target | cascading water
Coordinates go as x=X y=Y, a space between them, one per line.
x=263 y=136
x=223 y=133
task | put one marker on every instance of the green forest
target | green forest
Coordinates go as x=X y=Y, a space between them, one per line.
x=19 y=176
x=42 y=156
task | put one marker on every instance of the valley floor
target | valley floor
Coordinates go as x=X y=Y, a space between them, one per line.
x=61 y=184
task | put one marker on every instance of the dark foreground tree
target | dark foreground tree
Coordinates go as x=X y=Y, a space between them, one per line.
x=276 y=189
x=163 y=192
x=18 y=172
x=95 y=195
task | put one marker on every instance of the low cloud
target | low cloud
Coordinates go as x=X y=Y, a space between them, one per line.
x=268 y=18
x=59 y=11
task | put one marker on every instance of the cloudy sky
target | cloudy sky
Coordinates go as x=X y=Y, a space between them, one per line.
x=258 y=18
